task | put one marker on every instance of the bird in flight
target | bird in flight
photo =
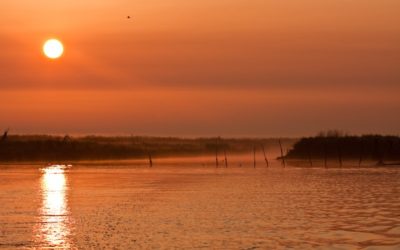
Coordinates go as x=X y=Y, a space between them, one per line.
x=128 y=17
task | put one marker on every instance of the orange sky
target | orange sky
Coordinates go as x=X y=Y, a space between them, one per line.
x=201 y=68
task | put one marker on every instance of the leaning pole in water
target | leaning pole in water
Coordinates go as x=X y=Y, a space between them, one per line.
x=216 y=153
x=254 y=156
x=265 y=156
x=282 y=156
x=325 y=154
x=150 y=161
x=361 y=152
x=226 y=159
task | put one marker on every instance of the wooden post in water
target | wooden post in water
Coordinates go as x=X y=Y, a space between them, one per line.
x=309 y=154
x=325 y=155
x=282 y=156
x=339 y=153
x=390 y=150
x=254 y=156
x=150 y=161
x=380 y=151
x=226 y=159
x=147 y=148
x=265 y=156
x=361 y=152
x=216 y=153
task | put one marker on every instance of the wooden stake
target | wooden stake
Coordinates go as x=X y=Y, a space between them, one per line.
x=226 y=159
x=380 y=152
x=150 y=161
x=340 y=153
x=282 y=156
x=361 y=153
x=216 y=153
x=254 y=156
x=265 y=155
x=148 y=154
x=309 y=154
x=325 y=155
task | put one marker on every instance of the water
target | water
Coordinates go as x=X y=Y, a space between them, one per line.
x=198 y=206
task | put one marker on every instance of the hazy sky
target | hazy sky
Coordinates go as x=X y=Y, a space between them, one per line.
x=201 y=68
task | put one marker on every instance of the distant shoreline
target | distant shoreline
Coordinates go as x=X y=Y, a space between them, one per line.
x=48 y=148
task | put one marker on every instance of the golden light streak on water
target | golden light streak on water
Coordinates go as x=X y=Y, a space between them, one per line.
x=55 y=223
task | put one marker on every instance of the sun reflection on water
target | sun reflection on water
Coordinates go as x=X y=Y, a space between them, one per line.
x=55 y=223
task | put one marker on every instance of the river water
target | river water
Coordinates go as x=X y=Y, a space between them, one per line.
x=193 y=205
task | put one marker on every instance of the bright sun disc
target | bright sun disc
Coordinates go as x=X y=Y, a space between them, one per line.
x=53 y=48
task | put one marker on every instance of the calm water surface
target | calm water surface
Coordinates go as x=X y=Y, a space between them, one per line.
x=195 y=206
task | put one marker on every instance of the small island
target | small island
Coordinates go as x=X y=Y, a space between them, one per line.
x=382 y=149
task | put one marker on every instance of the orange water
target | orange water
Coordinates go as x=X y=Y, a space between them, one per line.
x=199 y=206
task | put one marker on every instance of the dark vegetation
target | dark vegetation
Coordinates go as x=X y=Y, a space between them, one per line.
x=18 y=148
x=381 y=149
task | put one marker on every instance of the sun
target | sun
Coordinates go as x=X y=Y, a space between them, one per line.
x=53 y=48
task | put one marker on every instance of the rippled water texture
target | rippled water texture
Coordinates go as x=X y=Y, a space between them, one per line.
x=197 y=206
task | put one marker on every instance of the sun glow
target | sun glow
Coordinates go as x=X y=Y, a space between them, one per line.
x=53 y=48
